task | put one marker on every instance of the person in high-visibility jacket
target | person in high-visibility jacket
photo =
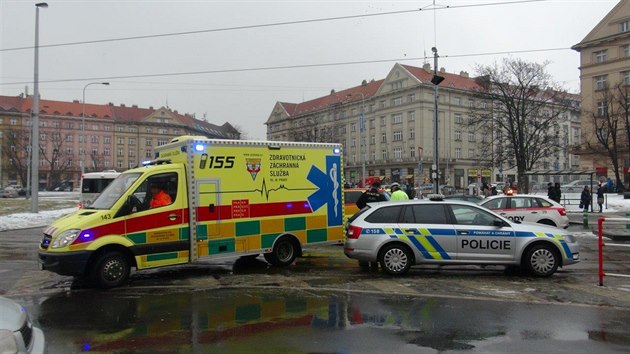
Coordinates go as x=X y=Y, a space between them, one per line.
x=397 y=193
x=160 y=197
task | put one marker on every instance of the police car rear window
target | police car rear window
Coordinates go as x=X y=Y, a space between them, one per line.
x=385 y=215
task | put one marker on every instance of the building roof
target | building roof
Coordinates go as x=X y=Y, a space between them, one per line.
x=451 y=80
x=600 y=33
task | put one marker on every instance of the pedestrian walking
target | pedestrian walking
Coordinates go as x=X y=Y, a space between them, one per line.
x=556 y=194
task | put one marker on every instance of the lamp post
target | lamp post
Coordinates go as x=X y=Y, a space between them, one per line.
x=35 y=120
x=83 y=120
x=436 y=80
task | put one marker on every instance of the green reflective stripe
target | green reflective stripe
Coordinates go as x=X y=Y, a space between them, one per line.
x=184 y=233
x=138 y=238
x=202 y=232
x=319 y=235
x=161 y=257
x=295 y=224
x=247 y=228
x=221 y=246
x=267 y=240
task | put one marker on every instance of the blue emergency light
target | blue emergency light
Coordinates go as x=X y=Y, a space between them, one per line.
x=199 y=147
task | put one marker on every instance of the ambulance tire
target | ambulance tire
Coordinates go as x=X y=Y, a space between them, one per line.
x=111 y=269
x=541 y=260
x=395 y=259
x=284 y=253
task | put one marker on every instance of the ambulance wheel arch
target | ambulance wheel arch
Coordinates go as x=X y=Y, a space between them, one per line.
x=286 y=249
x=541 y=258
x=110 y=266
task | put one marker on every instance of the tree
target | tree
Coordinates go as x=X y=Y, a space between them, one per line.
x=59 y=163
x=15 y=151
x=521 y=106
x=610 y=123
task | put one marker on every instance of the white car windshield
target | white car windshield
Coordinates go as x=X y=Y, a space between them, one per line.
x=110 y=195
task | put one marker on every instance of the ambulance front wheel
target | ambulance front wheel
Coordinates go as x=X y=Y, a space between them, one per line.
x=284 y=252
x=111 y=269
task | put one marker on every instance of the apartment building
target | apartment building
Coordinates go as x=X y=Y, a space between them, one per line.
x=76 y=137
x=396 y=139
x=604 y=69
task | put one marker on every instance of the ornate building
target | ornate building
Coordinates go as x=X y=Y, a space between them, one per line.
x=396 y=138
x=107 y=137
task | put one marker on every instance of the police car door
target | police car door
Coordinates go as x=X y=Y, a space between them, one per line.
x=480 y=237
x=428 y=229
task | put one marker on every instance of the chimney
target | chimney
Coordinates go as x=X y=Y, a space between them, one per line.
x=110 y=104
x=75 y=101
x=122 y=105
x=427 y=67
x=463 y=74
x=151 y=107
x=175 y=111
x=134 y=106
x=442 y=70
x=26 y=90
x=332 y=92
x=364 y=83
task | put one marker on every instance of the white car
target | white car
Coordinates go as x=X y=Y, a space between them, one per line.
x=17 y=333
x=577 y=186
x=437 y=231
x=528 y=208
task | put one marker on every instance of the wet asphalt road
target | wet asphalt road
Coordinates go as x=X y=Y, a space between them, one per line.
x=324 y=303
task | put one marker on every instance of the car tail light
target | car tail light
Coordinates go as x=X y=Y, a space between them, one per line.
x=353 y=232
x=562 y=211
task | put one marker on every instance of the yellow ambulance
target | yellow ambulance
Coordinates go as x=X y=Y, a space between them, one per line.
x=203 y=199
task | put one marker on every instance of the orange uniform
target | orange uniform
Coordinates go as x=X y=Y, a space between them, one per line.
x=161 y=198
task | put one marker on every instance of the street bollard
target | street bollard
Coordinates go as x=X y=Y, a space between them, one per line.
x=585 y=219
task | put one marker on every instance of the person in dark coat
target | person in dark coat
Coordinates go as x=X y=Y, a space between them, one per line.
x=550 y=190
x=600 y=197
x=371 y=195
x=585 y=199
x=557 y=193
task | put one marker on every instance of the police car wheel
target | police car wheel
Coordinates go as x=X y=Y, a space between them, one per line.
x=395 y=259
x=283 y=254
x=541 y=260
x=111 y=270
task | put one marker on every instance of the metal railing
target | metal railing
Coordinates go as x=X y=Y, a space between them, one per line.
x=601 y=244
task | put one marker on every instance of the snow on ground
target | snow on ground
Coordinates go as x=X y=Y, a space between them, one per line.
x=614 y=203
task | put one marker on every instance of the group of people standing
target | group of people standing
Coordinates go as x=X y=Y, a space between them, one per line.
x=554 y=193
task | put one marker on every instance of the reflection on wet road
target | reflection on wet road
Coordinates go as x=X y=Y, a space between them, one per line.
x=280 y=321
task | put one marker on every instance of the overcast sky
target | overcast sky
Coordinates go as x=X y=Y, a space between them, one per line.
x=229 y=84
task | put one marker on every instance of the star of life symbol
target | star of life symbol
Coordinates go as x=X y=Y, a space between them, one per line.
x=253 y=167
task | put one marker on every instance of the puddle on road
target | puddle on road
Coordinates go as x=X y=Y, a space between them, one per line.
x=244 y=321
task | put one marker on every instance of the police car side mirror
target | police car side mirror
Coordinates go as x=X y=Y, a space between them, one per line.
x=500 y=223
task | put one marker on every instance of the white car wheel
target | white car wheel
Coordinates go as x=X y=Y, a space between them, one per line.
x=395 y=259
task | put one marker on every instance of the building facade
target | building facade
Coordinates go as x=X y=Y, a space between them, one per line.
x=604 y=75
x=106 y=137
x=396 y=139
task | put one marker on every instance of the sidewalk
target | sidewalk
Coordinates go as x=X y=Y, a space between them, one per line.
x=615 y=229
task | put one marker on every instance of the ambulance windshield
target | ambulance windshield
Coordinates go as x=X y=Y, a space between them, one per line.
x=114 y=191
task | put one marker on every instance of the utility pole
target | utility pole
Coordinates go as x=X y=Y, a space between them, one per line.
x=436 y=80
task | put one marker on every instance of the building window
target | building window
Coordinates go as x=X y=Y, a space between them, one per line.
x=149 y=142
x=600 y=56
x=600 y=82
x=132 y=153
x=161 y=142
x=383 y=137
x=412 y=134
x=397 y=101
x=398 y=153
x=411 y=116
x=133 y=130
x=383 y=121
x=107 y=127
x=471 y=103
x=471 y=153
x=384 y=154
x=94 y=139
x=624 y=26
x=397 y=136
x=457 y=101
x=107 y=152
x=94 y=126
x=120 y=141
x=625 y=50
x=148 y=154
x=625 y=77
x=13 y=121
x=149 y=130
x=412 y=154
x=397 y=118
x=601 y=108
x=458 y=153
x=56 y=125
x=353 y=127
x=107 y=140
x=471 y=136
x=132 y=141
x=458 y=118
x=353 y=142
x=411 y=97
x=372 y=124
x=119 y=163
x=120 y=152
x=81 y=151
x=163 y=131
x=94 y=152
x=69 y=138
x=458 y=135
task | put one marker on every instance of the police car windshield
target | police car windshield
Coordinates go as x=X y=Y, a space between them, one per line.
x=110 y=195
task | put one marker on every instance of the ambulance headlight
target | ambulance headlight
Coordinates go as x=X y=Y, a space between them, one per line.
x=65 y=238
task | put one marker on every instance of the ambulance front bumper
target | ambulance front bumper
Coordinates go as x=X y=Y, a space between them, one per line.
x=71 y=263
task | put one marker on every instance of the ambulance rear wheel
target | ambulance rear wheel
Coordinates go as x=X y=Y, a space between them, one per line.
x=111 y=269
x=541 y=260
x=284 y=253
x=395 y=259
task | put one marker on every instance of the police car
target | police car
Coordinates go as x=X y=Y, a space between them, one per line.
x=437 y=231
x=529 y=208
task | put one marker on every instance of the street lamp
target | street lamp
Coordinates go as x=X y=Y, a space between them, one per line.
x=436 y=80
x=83 y=119
x=35 y=119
